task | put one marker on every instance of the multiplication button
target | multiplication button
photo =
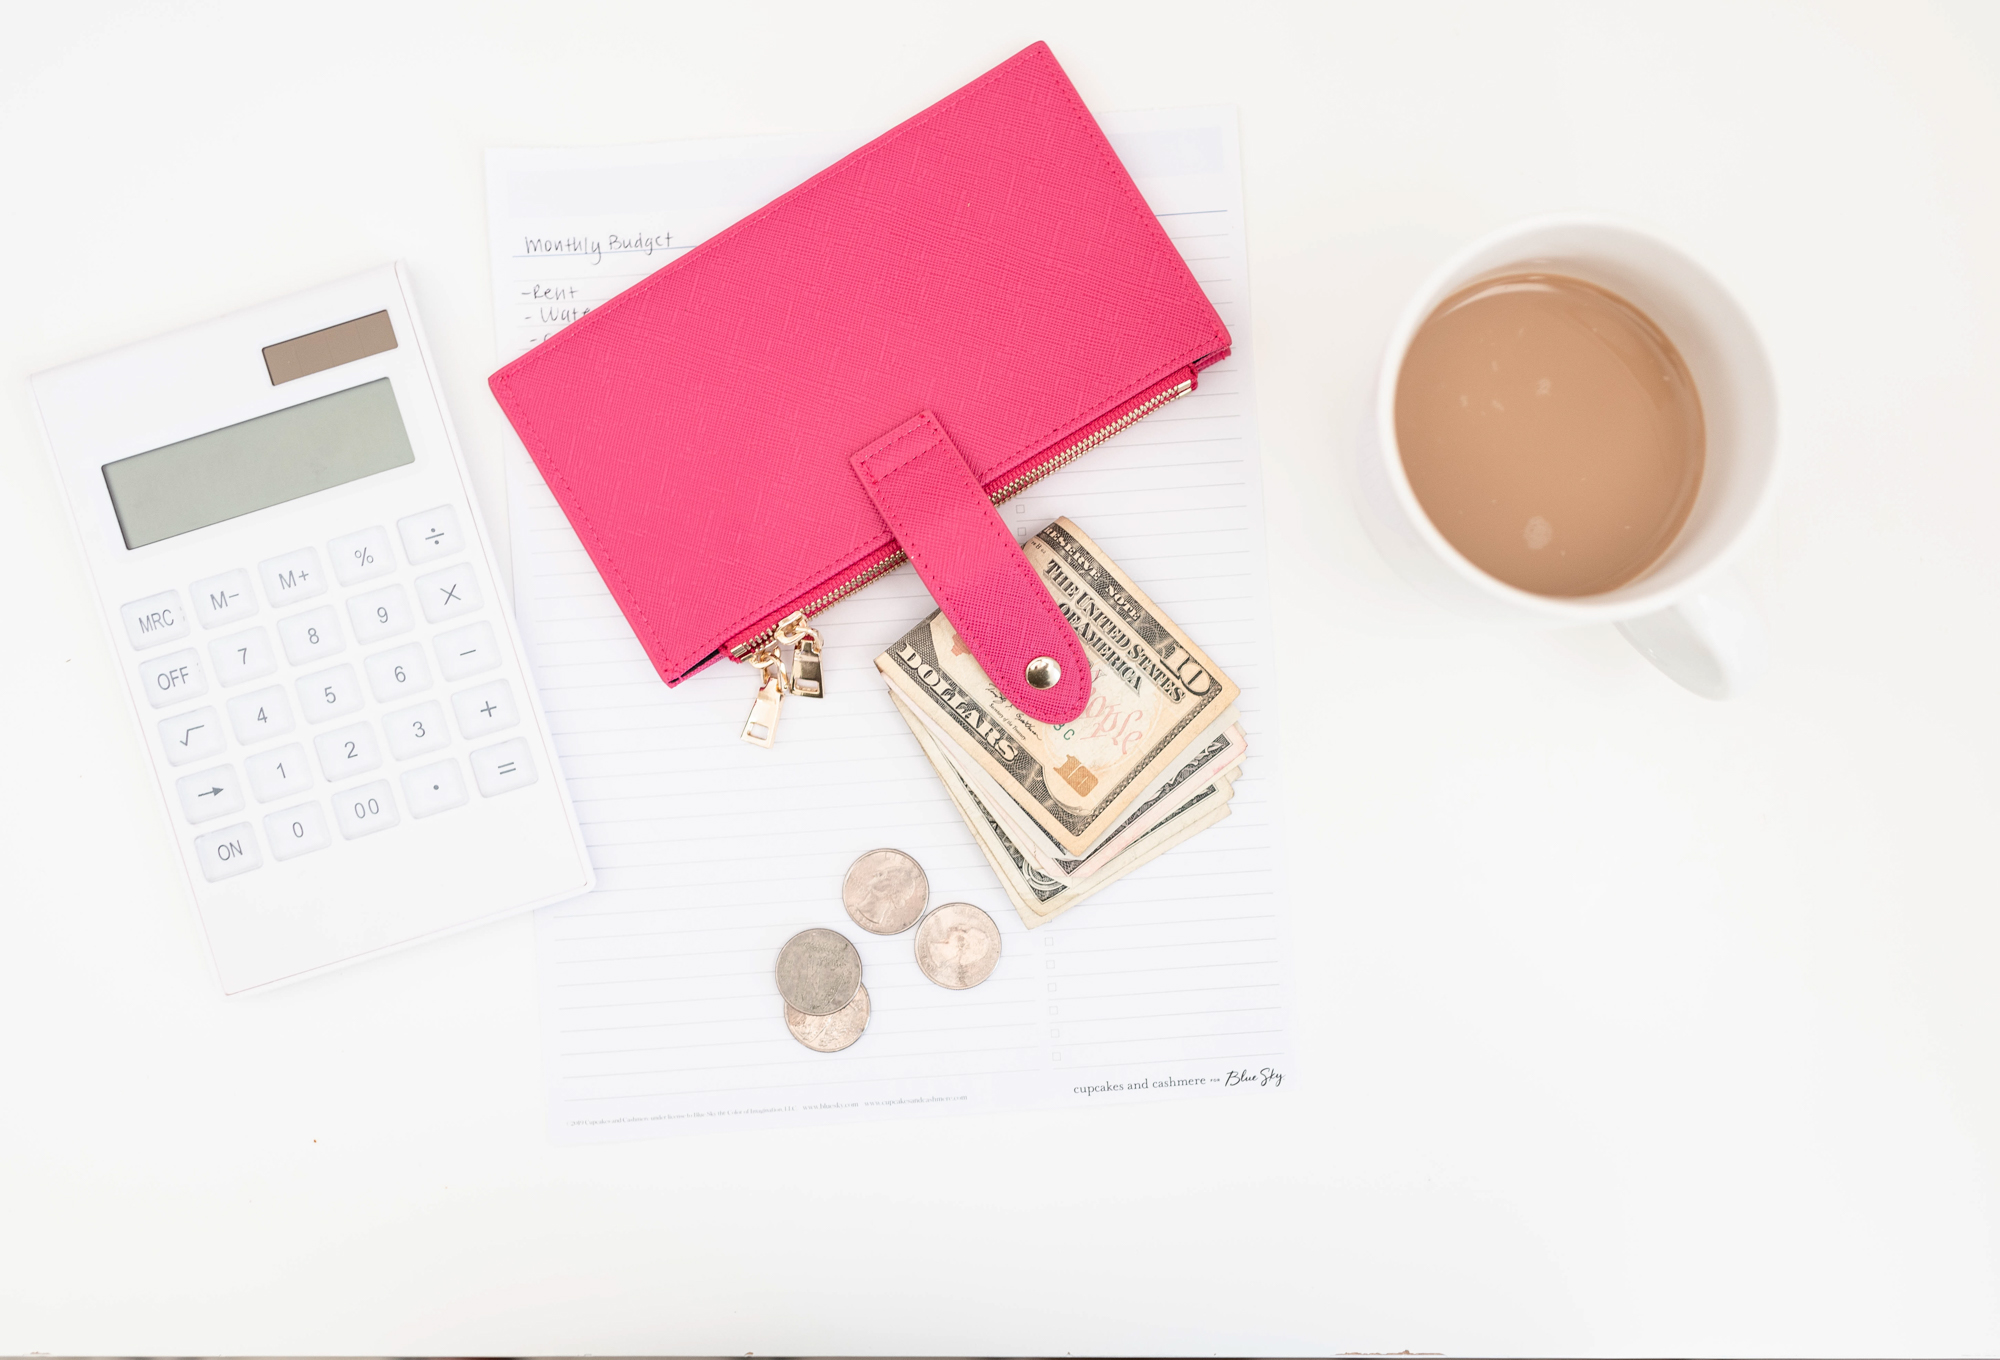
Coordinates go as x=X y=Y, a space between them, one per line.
x=297 y=831
x=227 y=853
x=431 y=535
x=295 y=576
x=189 y=737
x=503 y=768
x=449 y=594
x=155 y=620
x=361 y=556
x=223 y=599
x=211 y=793
x=366 y=810
x=171 y=678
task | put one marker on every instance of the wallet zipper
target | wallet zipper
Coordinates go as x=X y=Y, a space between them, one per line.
x=762 y=650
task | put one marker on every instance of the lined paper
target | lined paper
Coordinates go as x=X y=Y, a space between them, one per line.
x=658 y=1005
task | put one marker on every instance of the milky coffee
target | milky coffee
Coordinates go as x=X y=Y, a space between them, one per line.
x=1550 y=431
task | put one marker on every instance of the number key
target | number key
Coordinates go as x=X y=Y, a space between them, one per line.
x=297 y=831
x=417 y=730
x=332 y=693
x=311 y=635
x=259 y=715
x=366 y=810
x=242 y=656
x=398 y=673
x=380 y=614
x=279 y=773
x=348 y=751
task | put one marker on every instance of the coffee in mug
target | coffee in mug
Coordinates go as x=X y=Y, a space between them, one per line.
x=1550 y=431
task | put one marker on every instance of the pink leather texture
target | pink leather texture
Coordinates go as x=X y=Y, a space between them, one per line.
x=976 y=572
x=989 y=261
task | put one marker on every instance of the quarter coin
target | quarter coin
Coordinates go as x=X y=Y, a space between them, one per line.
x=830 y=1033
x=885 y=891
x=958 y=946
x=819 y=971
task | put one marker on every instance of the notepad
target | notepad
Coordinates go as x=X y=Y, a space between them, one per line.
x=659 y=1009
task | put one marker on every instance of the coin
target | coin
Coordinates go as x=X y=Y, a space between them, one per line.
x=958 y=946
x=818 y=971
x=885 y=891
x=830 y=1033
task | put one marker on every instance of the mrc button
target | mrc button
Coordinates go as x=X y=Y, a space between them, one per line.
x=155 y=619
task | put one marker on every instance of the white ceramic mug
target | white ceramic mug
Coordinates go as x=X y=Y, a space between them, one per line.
x=1684 y=613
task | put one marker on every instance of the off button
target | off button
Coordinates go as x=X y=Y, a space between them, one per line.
x=171 y=678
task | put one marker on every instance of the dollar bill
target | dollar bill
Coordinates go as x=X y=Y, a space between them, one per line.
x=1153 y=694
x=1038 y=896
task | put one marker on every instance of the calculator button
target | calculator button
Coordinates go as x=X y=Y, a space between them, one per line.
x=211 y=793
x=297 y=831
x=366 y=810
x=194 y=736
x=399 y=672
x=503 y=768
x=417 y=730
x=242 y=656
x=449 y=593
x=467 y=651
x=222 y=600
x=227 y=853
x=155 y=619
x=311 y=635
x=380 y=614
x=434 y=788
x=259 y=715
x=485 y=709
x=332 y=693
x=431 y=535
x=295 y=576
x=278 y=774
x=361 y=556
x=171 y=678
x=348 y=751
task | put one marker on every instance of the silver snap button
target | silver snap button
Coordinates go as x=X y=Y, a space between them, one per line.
x=1044 y=673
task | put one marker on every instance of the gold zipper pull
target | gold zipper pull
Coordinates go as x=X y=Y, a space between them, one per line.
x=761 y=727
x=806 y=679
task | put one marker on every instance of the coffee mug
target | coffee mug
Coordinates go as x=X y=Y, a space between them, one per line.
x=1685 y=613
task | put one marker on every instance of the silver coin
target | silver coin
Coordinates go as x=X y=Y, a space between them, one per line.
x=958 y=946
x=830 y=1033
x=885 y=891
x=818 y=971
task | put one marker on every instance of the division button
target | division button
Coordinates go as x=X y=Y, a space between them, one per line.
x=431 y=535
x=154 y=620
x=503 y=768
x=227 y=853
x=434 y=788
x=297 y=831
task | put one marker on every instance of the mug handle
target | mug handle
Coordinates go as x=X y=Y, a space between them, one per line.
x=1713 y=642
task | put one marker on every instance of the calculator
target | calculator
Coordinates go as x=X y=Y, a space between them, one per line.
x=305 y=611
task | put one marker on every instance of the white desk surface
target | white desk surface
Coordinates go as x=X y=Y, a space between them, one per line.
x=1625 y=1022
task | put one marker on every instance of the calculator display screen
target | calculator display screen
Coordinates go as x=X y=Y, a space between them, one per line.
x=257 y=463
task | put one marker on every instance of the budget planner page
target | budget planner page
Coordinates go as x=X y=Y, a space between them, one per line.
x=659 y=1007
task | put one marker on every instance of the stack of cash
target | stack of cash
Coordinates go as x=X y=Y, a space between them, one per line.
x=1063 y=811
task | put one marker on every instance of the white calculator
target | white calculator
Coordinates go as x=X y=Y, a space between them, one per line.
x=305 y=609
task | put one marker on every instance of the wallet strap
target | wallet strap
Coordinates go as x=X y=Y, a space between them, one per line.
x=975 y=570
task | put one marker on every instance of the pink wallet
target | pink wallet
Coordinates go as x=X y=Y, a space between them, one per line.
x=856 y=374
